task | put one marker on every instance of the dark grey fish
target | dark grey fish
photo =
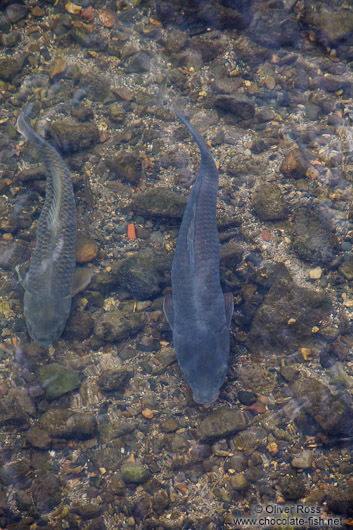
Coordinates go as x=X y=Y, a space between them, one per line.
x=50 y=281
x=198 y=311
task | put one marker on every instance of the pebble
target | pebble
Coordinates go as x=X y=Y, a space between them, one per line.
x=116 y=325
x=139 y=63
x=86 y=249
x=37 y=12
x=72 y=8
x=106 y=17
x=57 y=67
x=246 y=397
x=10 y=67
x=237 y=462
x=270 y=82
x=239 y=105
x=16 y=12
x=253 y=375
x=266 y=235
x=313 y=238
x=248 y=439
x=57 y=380
x=293 y=488
x=160 y=203
x=340 y=499
x=63 y=423
x=295 y=164
x=239 y=482
x=169 y=425
x=269 y=203
x=38 y=437
x=182 y=488
x=127 y=166
x=143 y=274
x=71 y=136
x=134 y=473
x=114 y=380
x=88 y=14
x=222 y=422
x=46 y=491
x=115 y=428
x=147 y=413
x=304 y=460
x=124 y=93
x=346 y=269
x=79 y=326
x=315 y=274
x=329 y=410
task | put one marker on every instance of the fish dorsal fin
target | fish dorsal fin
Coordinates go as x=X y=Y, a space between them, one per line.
x=190 y=238
x=82 y=277
x=169 y=309
x=229 y=305
x=53 y=212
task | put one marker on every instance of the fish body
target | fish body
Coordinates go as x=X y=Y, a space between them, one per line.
x=198 y=311
x=48 y=282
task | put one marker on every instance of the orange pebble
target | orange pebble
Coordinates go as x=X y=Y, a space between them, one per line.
x=131 y=232
x=147 y=413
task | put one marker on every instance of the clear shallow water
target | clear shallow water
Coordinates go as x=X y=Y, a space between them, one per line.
x=101 y=431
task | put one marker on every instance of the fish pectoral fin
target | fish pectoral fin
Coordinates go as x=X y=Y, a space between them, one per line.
x=21 y=273
x=82 y=277
x=168 y=309
x=229 y=305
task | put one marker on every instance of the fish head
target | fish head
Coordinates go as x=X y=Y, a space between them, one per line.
x=46 y=316
x=203 y=360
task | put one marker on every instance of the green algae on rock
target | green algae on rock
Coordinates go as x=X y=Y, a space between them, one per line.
x=160 y=203
x=71 y=136
x=64 y=423
x=332 y=413
x=115 y=326
x=144 y=273
x=134 y=473
x=127 y=166
x=57 y=380
x=293 y=488
x=269 y=203
x=287 y=317
x=313 y=237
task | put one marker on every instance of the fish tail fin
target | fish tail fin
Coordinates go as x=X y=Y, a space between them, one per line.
x=197 y=136
x=25 y=128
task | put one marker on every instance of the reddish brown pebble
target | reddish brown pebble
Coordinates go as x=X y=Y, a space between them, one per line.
x=88 y=14
x=182 y=488
x=266 y=235
x=147 y=413
x=257 y=408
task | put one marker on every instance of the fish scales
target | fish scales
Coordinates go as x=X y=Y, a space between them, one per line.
x=48 y=282
x=198 y=312
x=55 y=246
